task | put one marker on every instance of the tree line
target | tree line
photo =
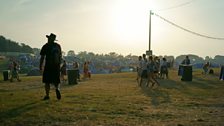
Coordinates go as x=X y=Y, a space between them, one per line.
x=8 y=45
x=118 y=58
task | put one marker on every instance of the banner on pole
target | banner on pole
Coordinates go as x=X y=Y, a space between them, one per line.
x=149 y=52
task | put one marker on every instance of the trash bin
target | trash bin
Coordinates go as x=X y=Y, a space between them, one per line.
x=6 y=75
x=186 y=72
x=72 y=76
x=221 y=77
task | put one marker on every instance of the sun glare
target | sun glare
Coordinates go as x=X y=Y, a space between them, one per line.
x=131 y=20
x=127 y=16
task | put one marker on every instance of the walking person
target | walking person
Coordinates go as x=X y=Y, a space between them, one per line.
x=89 y=70
x=76 y=67
x=144 y=69
x=51 y=53
x=186 y=61
x=156 y=66
x=85 y=70
x=151 y=75
x=63 y=71
x=205 y=68
x=221 y=76
x=139 y=69
x=14 y=71
x=164 y=69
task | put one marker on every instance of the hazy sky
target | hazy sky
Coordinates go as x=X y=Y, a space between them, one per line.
x=121 y=26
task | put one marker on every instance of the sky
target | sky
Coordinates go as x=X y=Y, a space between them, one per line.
x=121 y=26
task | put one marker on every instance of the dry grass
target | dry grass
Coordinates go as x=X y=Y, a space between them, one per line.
x=115 y=100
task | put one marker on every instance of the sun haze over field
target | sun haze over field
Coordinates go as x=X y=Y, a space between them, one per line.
x=122 y=26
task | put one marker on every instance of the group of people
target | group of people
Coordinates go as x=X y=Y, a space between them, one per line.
x=205 y=67
x=63 y=70
x=75 y=66
x=151 y=69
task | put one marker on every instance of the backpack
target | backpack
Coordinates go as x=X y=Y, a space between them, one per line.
x=55 y=54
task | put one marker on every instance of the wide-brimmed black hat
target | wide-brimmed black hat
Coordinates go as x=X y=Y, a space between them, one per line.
x=52 y=35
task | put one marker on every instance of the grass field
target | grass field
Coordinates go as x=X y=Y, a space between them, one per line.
x=115 y=100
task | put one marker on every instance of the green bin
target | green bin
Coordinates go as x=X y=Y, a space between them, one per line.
x=186 y=72
x=6 y=75
x=72 y=76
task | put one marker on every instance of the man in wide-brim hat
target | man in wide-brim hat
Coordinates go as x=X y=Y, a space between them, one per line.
x=51 y=37
x=51 y=52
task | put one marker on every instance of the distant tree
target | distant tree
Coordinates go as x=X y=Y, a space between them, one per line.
x=26 y=48
x=207 y=58
x=169 y=58
x=219 y=59
x=129 y=56
x=12 y=46
x=83 y=55
x=113 y=54
x=193 y=58
x=71 y=53
x=36 y=51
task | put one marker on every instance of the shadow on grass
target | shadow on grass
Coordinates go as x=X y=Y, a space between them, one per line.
x=2 y=81
x=170 y=84
x=18 y=111
x=194 y=104
x=201 y=83
x=161 y=94
x=157 y=94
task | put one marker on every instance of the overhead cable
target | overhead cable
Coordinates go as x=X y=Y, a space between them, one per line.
x=187 y=30
x=177 y=6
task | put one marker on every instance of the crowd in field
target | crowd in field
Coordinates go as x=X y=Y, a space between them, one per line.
x=54 y=68
x=151 y=68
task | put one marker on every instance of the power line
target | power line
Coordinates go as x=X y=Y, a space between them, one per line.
x=177 y=6
x=187 y=30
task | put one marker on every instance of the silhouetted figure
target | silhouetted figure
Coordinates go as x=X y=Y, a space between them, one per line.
x=164 y=69
x=144 y=74
x=85 y=70
x=63 y=71
x=14 y=71
x=156 y=66
x=139 y=68
x=51 y=52
x=186 y=61
x=206 y=67
x=221 y=76
x=151 y=69
x=89 y=71
x=76 y=67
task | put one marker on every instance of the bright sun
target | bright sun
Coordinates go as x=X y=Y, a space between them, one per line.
x=127 y=17
x=130 y=19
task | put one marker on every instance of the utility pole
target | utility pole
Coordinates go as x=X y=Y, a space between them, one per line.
x=149 y=52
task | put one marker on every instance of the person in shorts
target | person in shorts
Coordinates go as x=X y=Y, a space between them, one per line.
x=144 y=74
x=51 y=53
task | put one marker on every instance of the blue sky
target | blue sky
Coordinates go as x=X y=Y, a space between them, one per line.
x=103 y=26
